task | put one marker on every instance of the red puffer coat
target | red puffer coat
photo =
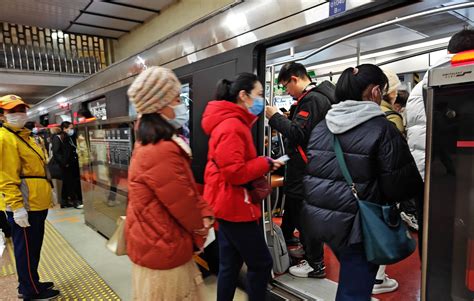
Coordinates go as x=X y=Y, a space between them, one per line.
x=164 y=207
x=232 y=161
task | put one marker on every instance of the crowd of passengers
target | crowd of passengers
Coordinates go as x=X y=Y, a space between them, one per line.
x=381 y=131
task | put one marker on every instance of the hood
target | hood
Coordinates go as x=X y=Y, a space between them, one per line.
x=348 y=114
x=328 y=89
x=219 y=110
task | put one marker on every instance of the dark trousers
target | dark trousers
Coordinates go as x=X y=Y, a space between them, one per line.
x=314 y=249
x=239 y=243
x=71 y=193
x=27 y=244
x=356 y=275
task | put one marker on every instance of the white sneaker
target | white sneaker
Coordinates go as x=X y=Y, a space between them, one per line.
x=301 y=270
x=410 y=219
x=386 y=285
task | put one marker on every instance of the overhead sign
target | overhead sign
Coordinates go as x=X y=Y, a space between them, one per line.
x=336 y=7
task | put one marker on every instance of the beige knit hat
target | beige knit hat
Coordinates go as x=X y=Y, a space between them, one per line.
x=153 y=89
x=393 y=81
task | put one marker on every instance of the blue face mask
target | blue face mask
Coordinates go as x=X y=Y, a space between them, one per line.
x=257 y=106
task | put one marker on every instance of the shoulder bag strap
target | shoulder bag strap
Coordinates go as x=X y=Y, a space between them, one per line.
x=343 y=166
x=27 y=144
x=47 y=177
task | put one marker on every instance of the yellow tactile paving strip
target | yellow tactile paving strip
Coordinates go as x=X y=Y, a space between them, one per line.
x=7 y=262
x=71 y=274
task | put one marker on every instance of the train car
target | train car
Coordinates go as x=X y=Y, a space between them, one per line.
x=258 y=37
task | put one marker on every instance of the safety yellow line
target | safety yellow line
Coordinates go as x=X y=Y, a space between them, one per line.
x=71 y=274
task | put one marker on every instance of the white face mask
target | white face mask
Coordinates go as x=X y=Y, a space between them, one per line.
x=16 y=119
x=70 y=132
x=181 y=116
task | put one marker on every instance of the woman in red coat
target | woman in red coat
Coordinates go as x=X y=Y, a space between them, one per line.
x=167 y=220
x=232 y=163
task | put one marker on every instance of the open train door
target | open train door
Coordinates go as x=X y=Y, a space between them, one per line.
x=448 y=246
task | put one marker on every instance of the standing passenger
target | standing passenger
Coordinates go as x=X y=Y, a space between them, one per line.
x=167 y=219
x=65 y=154
x=389 y=99
x=312 y=104
x=25 y=195
x=232 y=163
x=380 y=163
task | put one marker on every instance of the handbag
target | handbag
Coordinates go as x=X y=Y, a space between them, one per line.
x=55 y=169
x=117 y=243
x=258 y=189
x=386 y=238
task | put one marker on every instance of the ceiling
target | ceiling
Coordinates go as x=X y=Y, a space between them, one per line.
x=410 y=32
x=110 y=19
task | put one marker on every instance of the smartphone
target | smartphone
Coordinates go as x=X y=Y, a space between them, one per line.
x=283 y=158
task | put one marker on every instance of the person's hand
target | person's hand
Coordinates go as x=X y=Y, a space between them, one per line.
x=21 y=217
x=207 y=222
x=270 y=111
x=277 y=164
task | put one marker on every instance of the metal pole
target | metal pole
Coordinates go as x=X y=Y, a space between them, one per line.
x=269 y=152
x=5 y=55
x=34 y=56
x=27 y=59
x=13 y=56
x=19 y=57
x=47 y=58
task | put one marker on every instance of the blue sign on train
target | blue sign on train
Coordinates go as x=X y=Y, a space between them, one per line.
x=336 y=7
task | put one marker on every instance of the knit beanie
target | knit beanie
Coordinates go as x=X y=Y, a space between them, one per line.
x=153 y=89
x=393 y=81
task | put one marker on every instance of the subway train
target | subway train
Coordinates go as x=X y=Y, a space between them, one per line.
x=327 y=37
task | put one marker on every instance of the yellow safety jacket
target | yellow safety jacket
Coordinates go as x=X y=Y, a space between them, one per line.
x=23 y=179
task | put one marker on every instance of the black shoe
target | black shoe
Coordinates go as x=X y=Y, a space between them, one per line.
x=43 y=286
x=318 y=272
x=67 y=206
x=48 y=294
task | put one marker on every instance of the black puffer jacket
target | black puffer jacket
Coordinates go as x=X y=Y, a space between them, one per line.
x=379 y=161
x=296 y=129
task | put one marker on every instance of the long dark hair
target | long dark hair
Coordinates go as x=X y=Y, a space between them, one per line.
x=229 y=90
x=153 y=128
x=353 y=81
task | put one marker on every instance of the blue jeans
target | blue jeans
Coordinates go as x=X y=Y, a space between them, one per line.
x=356 y=275
x=238 y=243
x=27 y=244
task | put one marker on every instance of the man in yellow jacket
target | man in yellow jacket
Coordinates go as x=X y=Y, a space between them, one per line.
x=25 y=196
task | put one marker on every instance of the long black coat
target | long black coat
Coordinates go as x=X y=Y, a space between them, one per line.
x=381 y=166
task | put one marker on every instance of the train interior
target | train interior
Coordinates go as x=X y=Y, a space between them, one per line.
x=408 y=48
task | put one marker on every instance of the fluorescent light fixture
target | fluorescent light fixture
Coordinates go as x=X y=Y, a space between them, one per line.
x=61 y=99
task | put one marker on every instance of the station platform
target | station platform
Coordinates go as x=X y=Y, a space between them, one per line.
x=75 y=258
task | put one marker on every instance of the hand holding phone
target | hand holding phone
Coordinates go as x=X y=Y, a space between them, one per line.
x=283 y=158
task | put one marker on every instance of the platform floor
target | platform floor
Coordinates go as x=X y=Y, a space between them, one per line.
x=75 y=258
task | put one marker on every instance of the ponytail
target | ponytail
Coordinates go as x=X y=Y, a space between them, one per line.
x=353 y=81
x=229 y=90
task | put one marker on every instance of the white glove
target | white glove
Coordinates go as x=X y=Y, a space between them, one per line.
x=21 y=217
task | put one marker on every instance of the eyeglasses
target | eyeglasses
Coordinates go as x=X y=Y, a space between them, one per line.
x=284 y=85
